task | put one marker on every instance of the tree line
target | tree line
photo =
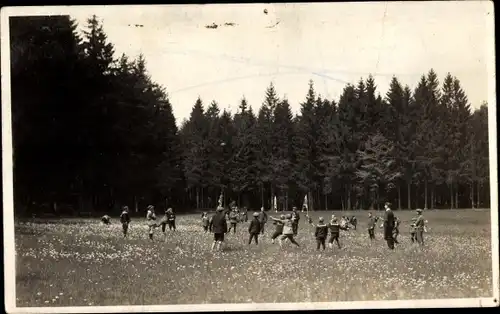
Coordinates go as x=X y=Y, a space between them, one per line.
x=92 y=131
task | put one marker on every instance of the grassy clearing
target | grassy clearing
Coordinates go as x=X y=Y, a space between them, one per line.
x=79 y=262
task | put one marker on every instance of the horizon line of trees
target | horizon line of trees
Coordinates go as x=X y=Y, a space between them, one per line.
x=92 y=131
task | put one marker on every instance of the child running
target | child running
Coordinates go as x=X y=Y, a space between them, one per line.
x=279 y=228
x=125 y=220
x=254 y=229
x=334 y=227
x=372 y=222
x=287 y=229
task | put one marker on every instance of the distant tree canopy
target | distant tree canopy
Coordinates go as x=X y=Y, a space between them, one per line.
x=92 y=132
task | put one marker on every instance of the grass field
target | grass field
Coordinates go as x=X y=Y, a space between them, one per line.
x=81 y=262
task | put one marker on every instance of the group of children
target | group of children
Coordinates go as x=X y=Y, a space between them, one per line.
x=286 y=226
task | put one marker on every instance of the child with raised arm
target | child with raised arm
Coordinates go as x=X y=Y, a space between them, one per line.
x=335 y=228
x=279 y=228
x=287 y=229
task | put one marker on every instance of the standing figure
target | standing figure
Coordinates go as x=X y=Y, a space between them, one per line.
x=395 y=231
x=413 y=230
x=171 y=219
x=354 y=222
x=321 y=232
x=389 y=226
x=151 y=220
x=372 y=222
x=125 y=220
x=164 y=222
x=219 y=228
x=254 y=229
x=420 y=227
x=245 y=214
x=279 y=228
x=287 y=229
x=334 y=227
x=205 y=221
x=106 y=220
x=295 y=219
x=233 y=220
x=262 y=219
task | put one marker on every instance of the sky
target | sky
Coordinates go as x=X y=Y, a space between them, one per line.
x=330 y=43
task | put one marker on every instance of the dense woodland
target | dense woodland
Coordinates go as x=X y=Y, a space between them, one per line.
x=92 y=132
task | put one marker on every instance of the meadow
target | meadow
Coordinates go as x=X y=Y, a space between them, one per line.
x=81 y=262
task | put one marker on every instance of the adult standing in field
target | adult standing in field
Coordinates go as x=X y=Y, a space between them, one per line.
x=151 y=220
x=262 y=219
x=295 y=220
x=125 y=220
x=219 y=228
x=389 y=226
x=419 y=227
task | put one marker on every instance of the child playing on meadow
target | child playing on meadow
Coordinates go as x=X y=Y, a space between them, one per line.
x=254 y=229
x=171 y=219
x=125 y=220
x=321 y=232
x=151 y=221
x=395 y=231
x=219 y=228
x=354 y=222
x=106 y=220
x=413 y=230
x=372 y=222
x=205 y=221
x=287 y=229
x=279 y=228
x=233 y=220
x=420 y=227
x=334 y=227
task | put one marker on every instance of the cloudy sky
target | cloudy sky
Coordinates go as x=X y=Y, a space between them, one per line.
x=332 y=44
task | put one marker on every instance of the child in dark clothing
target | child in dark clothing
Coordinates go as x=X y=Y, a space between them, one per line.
x=254 y=229
x=170 y=219
x=334 y=227
x=372 y=222
x=125 y=220
x=106 y=220
x=279 y=229
x=233 y=220
x=321 y=233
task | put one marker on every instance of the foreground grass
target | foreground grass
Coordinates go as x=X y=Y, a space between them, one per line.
x=78 y=262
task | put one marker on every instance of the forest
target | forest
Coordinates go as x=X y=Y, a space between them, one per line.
x=92 y=131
